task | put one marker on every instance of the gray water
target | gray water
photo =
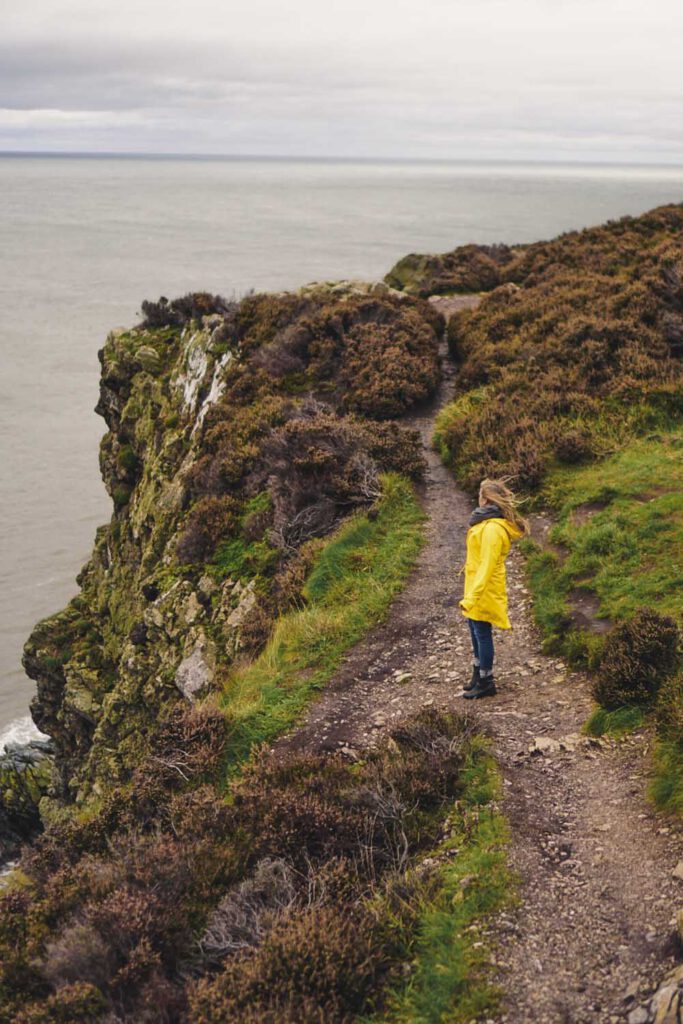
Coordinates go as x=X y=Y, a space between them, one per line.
x=85 y=240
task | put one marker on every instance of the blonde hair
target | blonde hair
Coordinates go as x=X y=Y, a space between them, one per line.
x=498 y=493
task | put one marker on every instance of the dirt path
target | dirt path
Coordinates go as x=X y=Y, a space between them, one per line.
x=592 y=935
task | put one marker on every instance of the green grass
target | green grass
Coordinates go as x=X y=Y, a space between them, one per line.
x=241 y=561
x=614 y=723
x=240 y=558
x=630 y=552
x=448 y=980
x=355 y=578
x=666 y=786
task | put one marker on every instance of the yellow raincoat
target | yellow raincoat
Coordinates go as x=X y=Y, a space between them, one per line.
x=485 y=597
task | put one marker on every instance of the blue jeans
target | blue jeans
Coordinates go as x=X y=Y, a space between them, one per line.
x=482 y=643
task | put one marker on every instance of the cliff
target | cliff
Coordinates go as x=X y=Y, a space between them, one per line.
x=235 y=434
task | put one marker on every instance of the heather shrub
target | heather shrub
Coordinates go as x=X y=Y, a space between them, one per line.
x=583 y=354
x=290 y=580
x=77 y=1003
x=317 y=472
x=212 y=519
x=320 y=966
x=396 y=448
x=178 y=312
x=246 y=914
x=389 y=367
x=300 y=822
x=373 y=354
x=79 y=953
x=573 y=446
x=638 y=656
x=268 y=891
x=470 y=268
x=186 y=748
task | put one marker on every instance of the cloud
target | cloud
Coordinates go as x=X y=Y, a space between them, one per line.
x=446 y=78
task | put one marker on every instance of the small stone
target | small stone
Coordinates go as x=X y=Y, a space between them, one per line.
x=544 y=745
x=403 y=677
x=678 y=870
x=193 y=609
x=207 y=585
x=638 y=1016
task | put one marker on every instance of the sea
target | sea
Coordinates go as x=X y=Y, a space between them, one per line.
x=85 y=239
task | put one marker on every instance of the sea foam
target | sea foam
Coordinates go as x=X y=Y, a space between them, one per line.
x=21 y=730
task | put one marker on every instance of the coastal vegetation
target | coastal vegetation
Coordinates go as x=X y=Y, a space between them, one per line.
x=570 y=381
x=298 y=895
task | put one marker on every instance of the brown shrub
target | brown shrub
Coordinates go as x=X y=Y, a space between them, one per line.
x=573 y=446
x=320 y=966
x=188 y=745
x=318 y=470
x=180 y=311
x=275 y=879
x=395 y=447
x=638 y=656
x=79 y=953
x=210 y=521
x=247 y=913
x=593 y=324
x=78 y=1003
x=389 y=367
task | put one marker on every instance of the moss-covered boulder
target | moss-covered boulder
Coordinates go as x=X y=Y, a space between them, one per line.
x=25 y=776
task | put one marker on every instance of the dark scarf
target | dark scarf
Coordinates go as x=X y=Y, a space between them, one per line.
x=482 y=512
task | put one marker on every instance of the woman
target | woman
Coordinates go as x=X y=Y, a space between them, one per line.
x=492 y=528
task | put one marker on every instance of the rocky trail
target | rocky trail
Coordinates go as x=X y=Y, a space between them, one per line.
x=593 y=933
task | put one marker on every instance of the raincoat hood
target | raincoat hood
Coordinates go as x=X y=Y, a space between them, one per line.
x=513 y=531
x=491 y=511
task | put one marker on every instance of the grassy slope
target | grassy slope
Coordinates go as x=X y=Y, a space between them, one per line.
x=627 y=550
x=356 y=576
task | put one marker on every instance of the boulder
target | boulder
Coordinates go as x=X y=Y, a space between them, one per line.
x=25 y=776
x=196 y=671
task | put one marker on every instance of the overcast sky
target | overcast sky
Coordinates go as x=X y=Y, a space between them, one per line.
x=465 y=79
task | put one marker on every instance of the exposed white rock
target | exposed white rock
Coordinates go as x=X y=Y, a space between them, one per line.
x=195 y=368
x=194 y=672
x=215 y=391
x=246 y=603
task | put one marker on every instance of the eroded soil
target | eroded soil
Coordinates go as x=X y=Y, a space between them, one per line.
x=592 y=933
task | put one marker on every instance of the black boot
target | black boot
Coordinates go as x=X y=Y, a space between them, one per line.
x=486 y=687
x=474 y=681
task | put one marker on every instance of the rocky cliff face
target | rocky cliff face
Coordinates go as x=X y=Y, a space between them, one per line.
x=234 y=435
